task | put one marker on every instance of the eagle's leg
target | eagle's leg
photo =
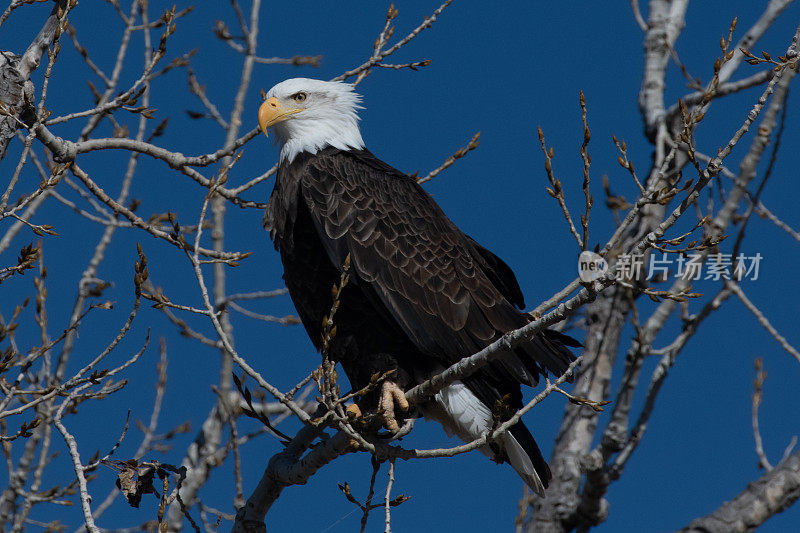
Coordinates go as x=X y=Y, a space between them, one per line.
x=391 y=396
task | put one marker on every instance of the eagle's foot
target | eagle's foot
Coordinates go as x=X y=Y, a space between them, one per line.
x=391 y=395
x=353 y=411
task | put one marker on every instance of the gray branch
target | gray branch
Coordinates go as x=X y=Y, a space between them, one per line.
x=287 y=468
x=771 y=494
x=15 y=73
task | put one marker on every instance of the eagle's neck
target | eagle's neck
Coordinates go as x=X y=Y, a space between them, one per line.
x=312 y=135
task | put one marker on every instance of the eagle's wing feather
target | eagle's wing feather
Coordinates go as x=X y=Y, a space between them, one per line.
x=451 y=296
x=499 y=273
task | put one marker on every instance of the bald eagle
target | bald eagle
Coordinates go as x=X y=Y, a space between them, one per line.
x=422 y=295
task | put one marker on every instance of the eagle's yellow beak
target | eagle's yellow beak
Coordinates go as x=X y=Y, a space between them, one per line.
x=271 y=113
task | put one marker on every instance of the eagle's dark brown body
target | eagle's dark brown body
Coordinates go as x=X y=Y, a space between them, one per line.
x=422 y=295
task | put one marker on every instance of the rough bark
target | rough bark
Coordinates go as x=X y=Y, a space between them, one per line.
x=15 y=74
x=11 y=96
x=771 y=494
x=557 y=512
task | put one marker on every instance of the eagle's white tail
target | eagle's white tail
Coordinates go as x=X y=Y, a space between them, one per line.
x=522 y=464
x=461 y=413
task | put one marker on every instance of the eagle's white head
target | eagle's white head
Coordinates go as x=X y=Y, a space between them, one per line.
x=308 y=115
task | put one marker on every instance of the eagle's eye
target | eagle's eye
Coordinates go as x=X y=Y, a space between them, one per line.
x=299 y=97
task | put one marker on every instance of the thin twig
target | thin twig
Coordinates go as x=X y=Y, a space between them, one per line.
x=387 y=499
x=758 y=384
x=461 y=152
x=737 y=290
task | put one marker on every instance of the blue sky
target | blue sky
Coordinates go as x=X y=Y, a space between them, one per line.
x=503 y=71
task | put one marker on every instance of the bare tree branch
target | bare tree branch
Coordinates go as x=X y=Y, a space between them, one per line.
x=771 y=494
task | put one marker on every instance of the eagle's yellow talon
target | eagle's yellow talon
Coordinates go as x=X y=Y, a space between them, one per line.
x=353 y=411
x=391 y=395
